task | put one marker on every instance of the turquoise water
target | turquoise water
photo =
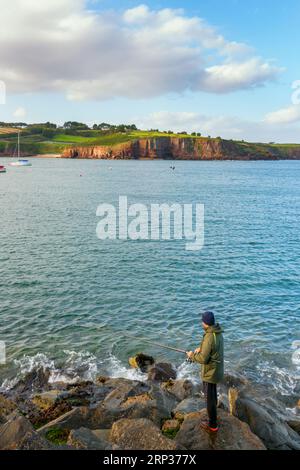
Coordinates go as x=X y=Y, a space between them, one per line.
x=70 y=298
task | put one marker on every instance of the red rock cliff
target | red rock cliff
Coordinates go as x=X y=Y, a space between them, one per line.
x=172 y=148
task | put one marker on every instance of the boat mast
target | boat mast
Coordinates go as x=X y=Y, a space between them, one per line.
x=18 y=144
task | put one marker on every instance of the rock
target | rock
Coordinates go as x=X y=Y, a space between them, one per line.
x=84 y=438
x=187 y=406
x=46 y=400
x=92 y=394
x=131 y=400
x=141 y=406
x=124 y=391
x=141 y=361
x=39 y=417
x=232 y=435
x=232 y=398
x=165 y=401
x=18 y=434
x=114 y=382
x=6 y=408
x=171 y=427
x=181 y=389
x=161 y=372
x=102 y=434
x=265 y=423
x=74 y=419
x=295 y=425
x=140 y=434
x=234 y=381
x=223 y=402
x=34 y=381
x=85 y=393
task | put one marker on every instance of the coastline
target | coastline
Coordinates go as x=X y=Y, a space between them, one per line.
x=145 y=159
x=158 y=412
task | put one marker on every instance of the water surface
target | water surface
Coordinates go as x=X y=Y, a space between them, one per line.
x=70 y=298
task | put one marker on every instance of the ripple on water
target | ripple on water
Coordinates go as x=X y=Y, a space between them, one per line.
x=64 y=290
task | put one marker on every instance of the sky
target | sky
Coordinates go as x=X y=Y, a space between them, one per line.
x=223 y=68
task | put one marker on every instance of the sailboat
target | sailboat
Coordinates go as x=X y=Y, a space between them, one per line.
x=20 y=162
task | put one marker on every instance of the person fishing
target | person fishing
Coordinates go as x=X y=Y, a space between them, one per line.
x=210 y=355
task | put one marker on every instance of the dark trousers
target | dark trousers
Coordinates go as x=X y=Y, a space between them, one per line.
x=210 y=392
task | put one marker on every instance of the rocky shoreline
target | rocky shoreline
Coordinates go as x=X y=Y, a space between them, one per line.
x=158 y=413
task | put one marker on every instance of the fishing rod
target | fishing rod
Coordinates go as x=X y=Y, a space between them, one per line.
x=182 y=351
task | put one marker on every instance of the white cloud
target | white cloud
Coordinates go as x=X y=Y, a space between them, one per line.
x=288 y=115
x=228 y=127
x=20 y=112
x=63 y=46
x=235 y=75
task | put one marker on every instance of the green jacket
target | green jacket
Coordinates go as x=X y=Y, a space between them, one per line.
x=211 y=355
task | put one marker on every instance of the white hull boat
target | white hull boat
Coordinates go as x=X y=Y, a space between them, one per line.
x=20 y=162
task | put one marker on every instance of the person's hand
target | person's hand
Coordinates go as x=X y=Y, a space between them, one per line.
x=189 y=354
x=197 y=351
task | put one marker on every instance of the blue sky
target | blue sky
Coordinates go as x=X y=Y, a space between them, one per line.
x=220 y=67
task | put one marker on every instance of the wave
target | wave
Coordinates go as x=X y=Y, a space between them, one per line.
x=77 y=366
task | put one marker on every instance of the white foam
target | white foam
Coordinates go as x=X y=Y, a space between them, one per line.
x=283 y=380
x=188 y=370
x=296 y=357
x=117 y=370
x=76 y=366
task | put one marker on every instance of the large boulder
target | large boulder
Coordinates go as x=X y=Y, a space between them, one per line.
x=46 y=400
x=161 y=372
x=234 y=381
x=165 y=401
x=140 y=434
x=295 y=425
x=187 y=406
x=84 y=438
x=86 y=393
x=233 y=434
x=171 y=427
x=181 y=389
x=74 y=419
x=6 y=408
x=265 y=422
x=137 y=401
x=18 y=434
x=41 y=414
x=125 y=391
x=146 y=405
x=35 y=381
x=141 y=361
x=131 y=399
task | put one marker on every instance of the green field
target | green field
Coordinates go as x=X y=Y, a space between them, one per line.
x=36 y=143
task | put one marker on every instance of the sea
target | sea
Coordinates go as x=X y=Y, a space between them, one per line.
x=82 y=306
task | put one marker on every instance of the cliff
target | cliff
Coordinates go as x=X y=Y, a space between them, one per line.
x=172 y=148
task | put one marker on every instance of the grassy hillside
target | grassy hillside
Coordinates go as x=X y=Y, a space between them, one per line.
x=34 y=140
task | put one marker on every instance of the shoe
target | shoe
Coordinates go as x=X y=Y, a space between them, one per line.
x=206 y=427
